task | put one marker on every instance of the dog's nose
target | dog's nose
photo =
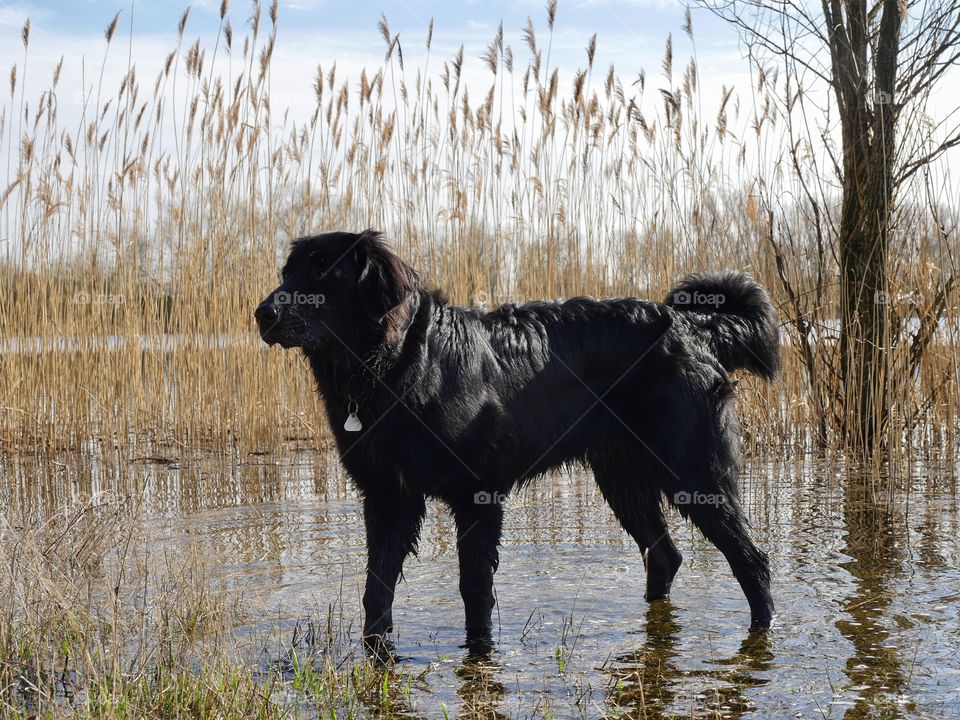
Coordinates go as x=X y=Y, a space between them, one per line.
x=266 y=314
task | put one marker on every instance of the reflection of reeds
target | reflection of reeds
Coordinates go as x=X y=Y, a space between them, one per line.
x=164 y=211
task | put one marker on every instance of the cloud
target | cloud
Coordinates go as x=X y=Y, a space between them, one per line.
x=300 y=5
x=300 y=50
x=12 y=17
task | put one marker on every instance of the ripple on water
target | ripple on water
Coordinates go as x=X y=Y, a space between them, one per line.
x=867 y=587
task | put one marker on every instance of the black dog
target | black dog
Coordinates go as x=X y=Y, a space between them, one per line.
x=430 y=400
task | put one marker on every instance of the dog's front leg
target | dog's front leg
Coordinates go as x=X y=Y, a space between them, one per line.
x=393 y=523
x=478 y=537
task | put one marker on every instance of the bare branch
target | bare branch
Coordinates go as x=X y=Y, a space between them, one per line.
x=911 y=168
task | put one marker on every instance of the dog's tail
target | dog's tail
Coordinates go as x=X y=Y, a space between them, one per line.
x=738 y=316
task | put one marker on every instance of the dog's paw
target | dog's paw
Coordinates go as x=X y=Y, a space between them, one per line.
x=379 y=648
x=761 y=623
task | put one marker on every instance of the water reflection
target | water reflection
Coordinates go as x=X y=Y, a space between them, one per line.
x=650 y=682
x=480 y=691
x=873 y=543
x=645 y=679
x=867 y=585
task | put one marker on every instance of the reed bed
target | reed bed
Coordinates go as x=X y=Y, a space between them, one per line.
x=140 y=240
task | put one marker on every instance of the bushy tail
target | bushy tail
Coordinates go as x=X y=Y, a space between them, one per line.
x=737 y=314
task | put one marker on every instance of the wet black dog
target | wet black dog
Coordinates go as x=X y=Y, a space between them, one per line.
x=431 y=400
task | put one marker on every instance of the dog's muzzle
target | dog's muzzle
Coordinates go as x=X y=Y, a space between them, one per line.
x=268 y=320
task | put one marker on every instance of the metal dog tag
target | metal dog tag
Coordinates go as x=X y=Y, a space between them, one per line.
x=353 y=423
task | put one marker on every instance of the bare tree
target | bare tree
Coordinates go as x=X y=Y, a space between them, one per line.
x=879 y=61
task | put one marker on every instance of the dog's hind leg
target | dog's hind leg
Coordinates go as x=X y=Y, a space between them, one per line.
x=705 y=458
x=724 y=525
x=637 y=506
x=663 y=557
x=478 y=536
x=393 y=523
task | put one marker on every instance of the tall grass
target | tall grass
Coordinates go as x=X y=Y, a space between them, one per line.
x=142 y=238
x=94 y=626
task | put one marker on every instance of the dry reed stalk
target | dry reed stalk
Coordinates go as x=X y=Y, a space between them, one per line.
x=530 y=193
x=95 y=624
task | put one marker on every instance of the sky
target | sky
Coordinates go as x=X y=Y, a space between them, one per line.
x=631 y=34
x=639 y=21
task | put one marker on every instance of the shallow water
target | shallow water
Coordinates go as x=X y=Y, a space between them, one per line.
x=867 y=586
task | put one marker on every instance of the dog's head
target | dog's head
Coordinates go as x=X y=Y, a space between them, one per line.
x=338 y=289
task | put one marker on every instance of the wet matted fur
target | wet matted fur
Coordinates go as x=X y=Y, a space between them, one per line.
x=464 y=404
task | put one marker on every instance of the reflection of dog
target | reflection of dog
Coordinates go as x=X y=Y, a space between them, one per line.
x=431 y=400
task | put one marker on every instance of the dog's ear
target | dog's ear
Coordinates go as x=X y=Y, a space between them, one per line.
x=387 y=286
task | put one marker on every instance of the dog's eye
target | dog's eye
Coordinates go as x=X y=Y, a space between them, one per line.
x=321 y=269
x=318 y=265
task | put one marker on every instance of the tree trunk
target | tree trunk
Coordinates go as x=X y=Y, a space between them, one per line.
x=863 y=250
x=868 y=113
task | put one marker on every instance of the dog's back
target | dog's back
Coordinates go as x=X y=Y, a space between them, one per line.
x=551 y=382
